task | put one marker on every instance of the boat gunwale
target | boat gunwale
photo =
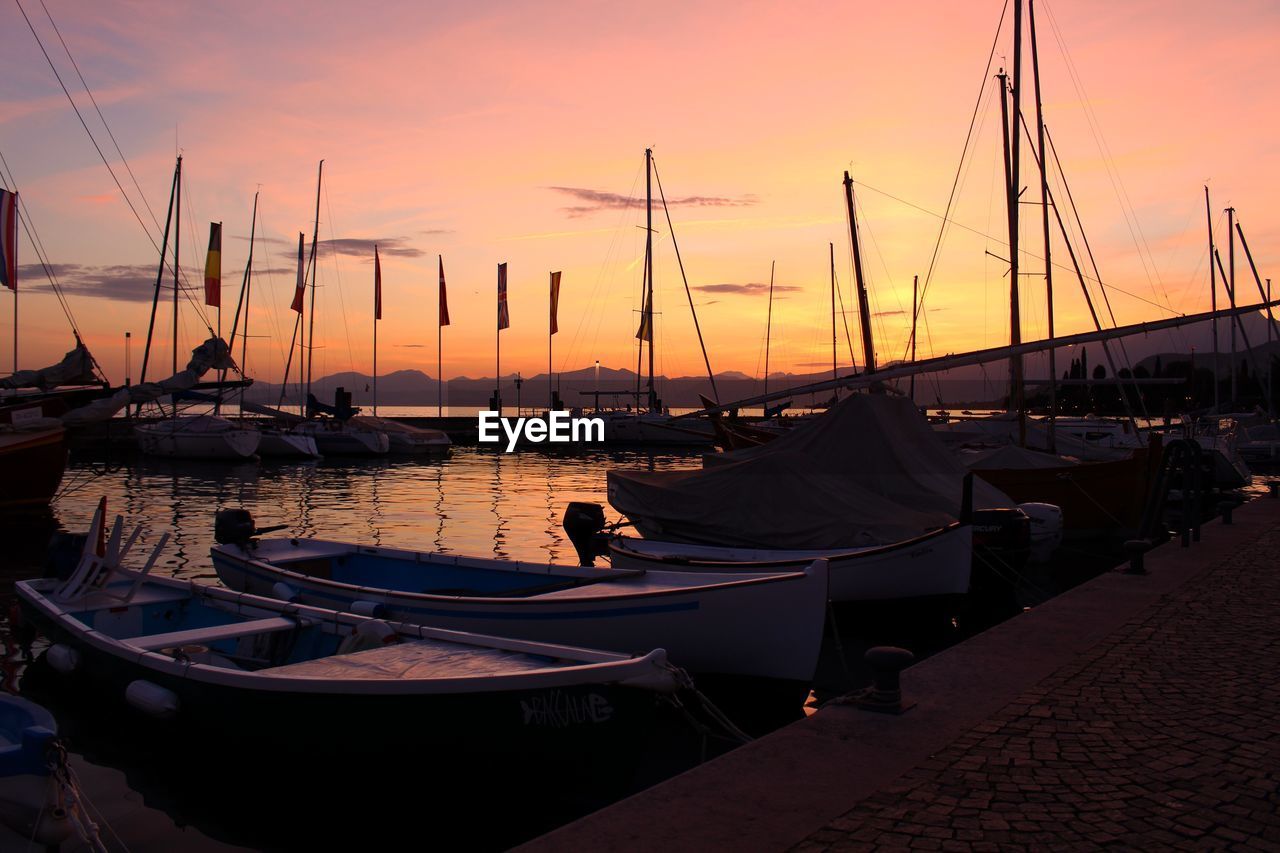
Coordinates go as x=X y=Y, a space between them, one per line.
x=612 y=667
x=224 y=552
x=833 y=557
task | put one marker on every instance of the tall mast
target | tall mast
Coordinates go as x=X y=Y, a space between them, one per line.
x=177 y=264
x=377 y=312
x=311 y=323
x=768 y=326
x=1231 y=292
x=248 y=291
x=915 y=308
x=242 y=303
x=1011 y=205
x=155 y=299
x=864 y=307
x=831 y=248
x=1213 y=296
x=1044 y=208
x=648 y=254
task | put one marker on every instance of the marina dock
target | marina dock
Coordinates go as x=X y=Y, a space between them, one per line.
x=1137 y=710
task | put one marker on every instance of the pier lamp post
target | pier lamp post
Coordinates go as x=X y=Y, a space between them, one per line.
x=519 y=382
x=128 y=357
x=597 y=386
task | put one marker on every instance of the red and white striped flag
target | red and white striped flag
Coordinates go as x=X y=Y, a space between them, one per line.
x=377 y=284
x=504 y=317
x=9 y=240
x=301 y=287
x=444 y=301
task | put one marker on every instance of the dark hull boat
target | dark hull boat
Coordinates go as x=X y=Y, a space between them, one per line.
x=304 y=678
x=33 y=455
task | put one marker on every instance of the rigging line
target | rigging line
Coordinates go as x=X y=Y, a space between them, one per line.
x=968 y=138
x=671 y=228
x=101 y=117
x=96 y=147
x=997 y=240
x=33 y=236
x=844 y=315
x=337 y=272
x=1117 y=183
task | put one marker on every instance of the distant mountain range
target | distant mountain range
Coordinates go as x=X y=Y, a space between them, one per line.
x=963 y=386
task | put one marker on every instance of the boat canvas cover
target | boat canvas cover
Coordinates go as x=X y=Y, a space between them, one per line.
x=1013 y=457
x=867 y=472
x=210 y=355
x=76 y=368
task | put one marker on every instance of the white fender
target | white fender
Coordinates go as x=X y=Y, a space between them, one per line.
x=368 y=608
x=63 y=658
x=152 y=699
x=284 y=592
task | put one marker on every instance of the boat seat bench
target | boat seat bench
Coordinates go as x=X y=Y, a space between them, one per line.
x=214 y=633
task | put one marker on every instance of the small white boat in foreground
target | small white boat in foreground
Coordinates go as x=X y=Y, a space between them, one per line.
x=764 y=624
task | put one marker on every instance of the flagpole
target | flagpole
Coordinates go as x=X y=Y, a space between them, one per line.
x=497 y=380
x=551 y=386
x=440 y=344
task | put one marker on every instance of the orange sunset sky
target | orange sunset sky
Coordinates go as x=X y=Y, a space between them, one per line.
x=514 y=131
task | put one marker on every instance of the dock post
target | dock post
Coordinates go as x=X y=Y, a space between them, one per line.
x=885 y=694
x=1136 y=548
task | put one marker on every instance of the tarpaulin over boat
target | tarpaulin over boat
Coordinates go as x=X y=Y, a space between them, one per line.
x=1011 y=456
x=76 y=368
x=869 y=471
x=210 y=355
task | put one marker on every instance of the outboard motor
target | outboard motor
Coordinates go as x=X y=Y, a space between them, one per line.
x=236 y=527
x=584 y=523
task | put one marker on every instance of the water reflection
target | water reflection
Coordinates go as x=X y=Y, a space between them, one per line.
x=473 y=502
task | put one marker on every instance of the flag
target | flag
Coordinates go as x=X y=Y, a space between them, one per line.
x=645 y=332
x=504 y=317
x=377 y=284
x=555 y=301
x=301 y=288
x=9 y=240
x=444 y=301
x=213 y=267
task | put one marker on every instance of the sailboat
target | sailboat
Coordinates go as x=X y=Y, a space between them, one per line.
x=178 y=436
x=330 y=427
x=650 y=422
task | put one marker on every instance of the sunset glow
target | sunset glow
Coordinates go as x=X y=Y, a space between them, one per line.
x=514 y=132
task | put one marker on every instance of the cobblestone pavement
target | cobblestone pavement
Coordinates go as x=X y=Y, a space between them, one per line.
x=1164 y=735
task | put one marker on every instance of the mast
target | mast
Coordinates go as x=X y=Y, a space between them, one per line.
x=155 y=299
x=377 y=313
x=1213 y=296
x=1011 y=206
x=915 y=289
x=440 y=324
x=241 y=303
x=768 y=326
x=864 y=308
x=648 y=254
x=1231 y=293
x=311 y=323
x=1044 y=208
x=177 y=265
x=248 y=291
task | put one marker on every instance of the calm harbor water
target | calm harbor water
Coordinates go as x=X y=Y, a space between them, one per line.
x=475 y=501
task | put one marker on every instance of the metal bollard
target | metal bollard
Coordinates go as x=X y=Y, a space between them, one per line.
x=1224 y=509
x=1136 y=549
x=885 y=695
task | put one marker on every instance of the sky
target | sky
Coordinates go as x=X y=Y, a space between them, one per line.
x=489 y=132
